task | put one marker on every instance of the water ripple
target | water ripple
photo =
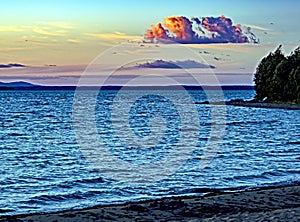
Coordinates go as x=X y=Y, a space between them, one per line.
x=42 y=168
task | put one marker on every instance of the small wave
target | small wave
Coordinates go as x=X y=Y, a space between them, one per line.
x=290 y=171
x=91 y=180
x=16 y=134
x=213 y=191
x=77 y=195
x=251 y=122
x=57 y=197
x=265 y=175
x=277 y=185
x=48 y=116
x=216 y=191
x=204 y=190
x=293 y=142
x=19 y=112
x=3 y=210
x=70 y=184
x=271 y=174
x=45 y=198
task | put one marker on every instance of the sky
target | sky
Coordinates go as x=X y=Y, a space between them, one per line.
x=71 y=34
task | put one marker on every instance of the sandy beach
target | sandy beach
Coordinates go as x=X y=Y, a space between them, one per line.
x=272 y=204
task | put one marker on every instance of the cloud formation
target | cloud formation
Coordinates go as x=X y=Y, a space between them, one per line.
x=180 y=29
x=162 y=64
x=11 y=65
x=43 y=28
x=113 y=36
x=61 y=25
x=256 y=27
x=49 y=32
x=11 y=29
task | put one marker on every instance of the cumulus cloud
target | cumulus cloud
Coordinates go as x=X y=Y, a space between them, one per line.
x=181 y=29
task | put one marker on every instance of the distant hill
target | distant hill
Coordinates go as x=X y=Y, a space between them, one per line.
x=20 y=85
x=17 y=84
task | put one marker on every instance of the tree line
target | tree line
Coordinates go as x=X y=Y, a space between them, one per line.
x=277 y=77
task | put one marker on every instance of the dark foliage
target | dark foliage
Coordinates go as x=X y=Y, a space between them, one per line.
x=277 y=77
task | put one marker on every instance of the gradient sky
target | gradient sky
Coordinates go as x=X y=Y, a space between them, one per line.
x=65 y=32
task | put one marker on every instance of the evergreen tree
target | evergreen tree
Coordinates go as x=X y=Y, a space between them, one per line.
x=260 y=79
x=295 y=84
x=278 y=77
x=265 y=73
x=278 y=89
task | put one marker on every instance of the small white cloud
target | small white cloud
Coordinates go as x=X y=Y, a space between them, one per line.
x=62 y=25
x=11 y=29
x=73 y=40
x=260 y=28
x=114 y=36
x=49 y=32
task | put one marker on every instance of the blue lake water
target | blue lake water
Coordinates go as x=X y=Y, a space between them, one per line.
x=43 y=168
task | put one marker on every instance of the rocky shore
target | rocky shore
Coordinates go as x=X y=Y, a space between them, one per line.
x=254 y=104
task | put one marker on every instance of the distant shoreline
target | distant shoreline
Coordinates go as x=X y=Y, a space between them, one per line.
x=264 y=105
x=254 y=104
x=275 y=204
x=112 y=87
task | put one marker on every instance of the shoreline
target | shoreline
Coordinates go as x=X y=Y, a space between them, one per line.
x=263 y=105
x=275 y=203
x=253 y=104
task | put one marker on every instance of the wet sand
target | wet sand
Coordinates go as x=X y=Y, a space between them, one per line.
x=271 y=204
